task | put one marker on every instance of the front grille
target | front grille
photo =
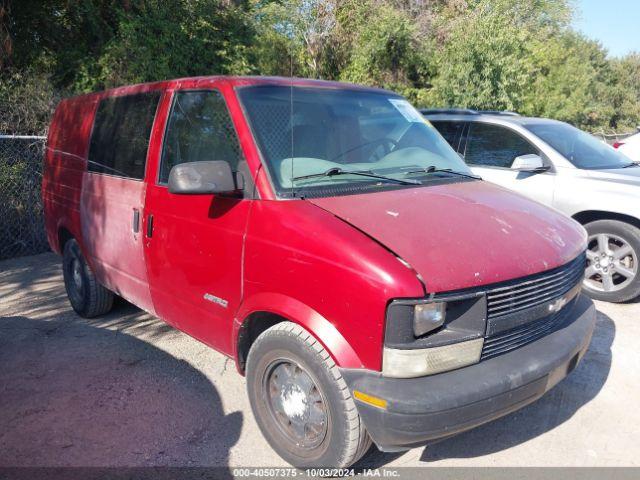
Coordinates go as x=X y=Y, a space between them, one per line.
x=520 y=336
x=529 y=293
x=535 y=290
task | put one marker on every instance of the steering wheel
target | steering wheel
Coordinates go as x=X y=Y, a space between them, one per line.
x=379 y=141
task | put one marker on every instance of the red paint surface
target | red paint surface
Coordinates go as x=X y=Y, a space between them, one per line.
x=300 y=259
x=465 y=234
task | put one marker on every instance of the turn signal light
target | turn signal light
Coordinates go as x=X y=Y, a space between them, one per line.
x=370 y=399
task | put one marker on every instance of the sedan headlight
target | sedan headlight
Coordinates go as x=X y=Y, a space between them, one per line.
x=424 y=337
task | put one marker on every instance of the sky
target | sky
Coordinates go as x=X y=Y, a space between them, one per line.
x=615 y=23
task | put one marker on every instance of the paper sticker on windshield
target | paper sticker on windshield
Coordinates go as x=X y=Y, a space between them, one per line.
x=407 y=111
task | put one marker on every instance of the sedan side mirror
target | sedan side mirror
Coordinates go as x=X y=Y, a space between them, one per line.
x=197 y=178
x=530 y=163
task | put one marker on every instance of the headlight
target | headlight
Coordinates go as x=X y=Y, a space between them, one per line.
x=427 y=336
x=428 y=317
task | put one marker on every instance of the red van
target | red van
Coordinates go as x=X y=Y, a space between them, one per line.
x=328 y=239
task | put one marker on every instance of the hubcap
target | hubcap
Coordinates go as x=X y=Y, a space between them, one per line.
x=73 y=277
x=611 y=263
x=296 y=404
x=77 y=275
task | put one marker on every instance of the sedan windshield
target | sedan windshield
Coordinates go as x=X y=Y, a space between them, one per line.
x=580 y=148
x=325 y=141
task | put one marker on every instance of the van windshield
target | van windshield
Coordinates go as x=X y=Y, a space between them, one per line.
x=308 y=134
x=580 y=148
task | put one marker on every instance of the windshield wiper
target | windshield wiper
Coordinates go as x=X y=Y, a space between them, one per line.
x=433 y=169
x=332 y=172
x=632 y=164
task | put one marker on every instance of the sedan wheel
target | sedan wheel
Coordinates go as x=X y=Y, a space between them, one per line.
x=612 y=264
x=613 y=253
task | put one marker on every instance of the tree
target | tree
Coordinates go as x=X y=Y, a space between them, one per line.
x=27 y=100
x=624 y=93
x=571 y=76
x=386 y=50
x=93 y=44
x=489 y=54
x=160 y=39
x=486 y=59
x=296 y=37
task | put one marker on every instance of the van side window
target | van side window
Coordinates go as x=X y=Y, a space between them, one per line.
x=495 y=146
x=120 y=136
x=199 y=129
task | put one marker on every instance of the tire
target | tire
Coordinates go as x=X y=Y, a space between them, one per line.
x=281 y=362
x=87 y=296
x=623 y=282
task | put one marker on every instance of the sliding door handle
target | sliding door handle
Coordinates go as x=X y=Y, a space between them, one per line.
x=149 y=226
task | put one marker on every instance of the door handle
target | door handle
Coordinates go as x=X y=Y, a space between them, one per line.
x=135 y=224
x=149 y=226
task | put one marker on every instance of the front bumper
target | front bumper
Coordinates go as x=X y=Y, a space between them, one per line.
x=427 y=408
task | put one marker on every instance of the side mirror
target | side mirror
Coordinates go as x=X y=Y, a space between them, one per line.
x=197 y=178
x=530 y=163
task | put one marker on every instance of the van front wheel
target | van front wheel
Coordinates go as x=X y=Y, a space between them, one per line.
x=301 y=402
x=87 y=296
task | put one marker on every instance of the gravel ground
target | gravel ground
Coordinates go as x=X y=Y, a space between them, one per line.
x=126 y=389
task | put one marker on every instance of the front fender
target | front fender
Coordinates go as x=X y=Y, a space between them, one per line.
x=297 y=312
x=577 y=195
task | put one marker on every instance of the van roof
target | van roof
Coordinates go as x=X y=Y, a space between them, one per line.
x=233 y=81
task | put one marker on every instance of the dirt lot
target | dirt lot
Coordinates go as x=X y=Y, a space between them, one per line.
x=127 y=390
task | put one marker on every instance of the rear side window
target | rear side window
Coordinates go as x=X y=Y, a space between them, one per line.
x=451 y=131
x=495 y=146
x=120 y=136
x=199 y=129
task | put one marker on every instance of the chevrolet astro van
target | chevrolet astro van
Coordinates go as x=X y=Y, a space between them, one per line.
x=330 y=241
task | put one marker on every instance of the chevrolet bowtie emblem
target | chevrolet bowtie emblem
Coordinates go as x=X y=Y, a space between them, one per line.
x=557 y=304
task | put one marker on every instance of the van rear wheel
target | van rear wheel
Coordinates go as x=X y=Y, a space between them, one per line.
x=301 y=402
x=87 y=296
x=613 y=252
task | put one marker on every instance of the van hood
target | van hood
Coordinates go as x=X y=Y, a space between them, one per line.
x=463 y=234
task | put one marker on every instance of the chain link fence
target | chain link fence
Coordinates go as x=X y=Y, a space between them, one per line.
x=21 y=218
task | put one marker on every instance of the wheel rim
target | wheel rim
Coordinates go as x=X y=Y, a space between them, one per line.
x=612 y=263
x=296 y=404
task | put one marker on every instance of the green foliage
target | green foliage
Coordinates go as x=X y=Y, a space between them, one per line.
x=27 y=101
x=572 y=74
x=95 y=44
x=486 y=60
x=522 y=55
x=623 y=93
x=296 y=37
x=387 y=51
x=160 y=39
x=489 y=54
x=62 y=34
